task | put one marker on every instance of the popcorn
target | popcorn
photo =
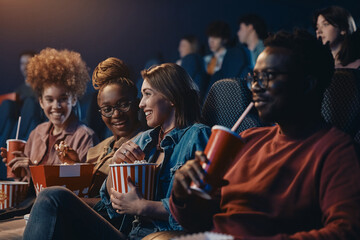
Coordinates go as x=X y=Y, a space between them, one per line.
x=61 y=148
x=135 y=162
x=140 y=161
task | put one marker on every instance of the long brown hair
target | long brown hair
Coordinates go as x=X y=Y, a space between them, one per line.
x=341 y=18
x=177 y=86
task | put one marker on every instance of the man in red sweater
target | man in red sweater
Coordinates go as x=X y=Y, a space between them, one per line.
x=299 y=179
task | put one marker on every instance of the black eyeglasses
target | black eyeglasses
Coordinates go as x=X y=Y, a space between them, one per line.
x=108 y=111
x=262 y=78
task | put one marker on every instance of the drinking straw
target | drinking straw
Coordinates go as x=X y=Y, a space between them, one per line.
x=241 y=118
x=18 y=128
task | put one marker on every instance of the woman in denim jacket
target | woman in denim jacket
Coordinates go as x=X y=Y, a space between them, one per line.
x=171 y=105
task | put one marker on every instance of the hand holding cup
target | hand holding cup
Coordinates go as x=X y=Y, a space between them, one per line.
x=19 y=166
x=220 y=152
x=190 y=172
x=15 y=158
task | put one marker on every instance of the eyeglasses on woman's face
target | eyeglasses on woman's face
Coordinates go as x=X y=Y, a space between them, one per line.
x=108 y=111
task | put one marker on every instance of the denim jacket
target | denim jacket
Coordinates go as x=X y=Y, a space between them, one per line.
x=179 y=146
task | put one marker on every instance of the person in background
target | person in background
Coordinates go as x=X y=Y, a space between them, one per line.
x=192 y=62
x=58 y=77
x=118 y=103
x=218 y=34
x=335 y=26
x=252 y=31
x=175 y=138
x=24 y=90
x=299 y=179
x=188 y=44
x=224 y=62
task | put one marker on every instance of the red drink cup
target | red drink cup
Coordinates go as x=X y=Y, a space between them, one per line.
x=220 y=151
x=12 y=146
x=141 y=174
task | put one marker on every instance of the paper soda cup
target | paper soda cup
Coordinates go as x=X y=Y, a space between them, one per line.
x=11 y=146
x=12 y=193
x=220 y=151
x=141 y=174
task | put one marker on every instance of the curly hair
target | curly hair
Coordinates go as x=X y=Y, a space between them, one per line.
x=58 y=67
x=108 y=69
x=113 y=71
x=177 y=86
x=311 y=56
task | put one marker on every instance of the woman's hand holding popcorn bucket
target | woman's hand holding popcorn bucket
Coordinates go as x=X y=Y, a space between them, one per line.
x=132 y=179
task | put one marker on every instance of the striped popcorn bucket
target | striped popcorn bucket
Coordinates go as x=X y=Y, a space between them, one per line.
x=12 y=193
x=142 y=175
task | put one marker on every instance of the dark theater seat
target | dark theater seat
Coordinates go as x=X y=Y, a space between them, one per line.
x=225 y=102
x=341 y=104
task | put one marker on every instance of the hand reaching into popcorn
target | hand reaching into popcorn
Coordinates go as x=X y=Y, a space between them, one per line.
x=66 y=154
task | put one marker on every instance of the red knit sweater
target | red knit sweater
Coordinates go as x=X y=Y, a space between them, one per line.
x=282 y=188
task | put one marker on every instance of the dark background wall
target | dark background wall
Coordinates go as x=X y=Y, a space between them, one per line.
x=133 y=30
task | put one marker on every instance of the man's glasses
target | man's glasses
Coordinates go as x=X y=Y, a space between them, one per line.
x=108 y=111
x=262 y=78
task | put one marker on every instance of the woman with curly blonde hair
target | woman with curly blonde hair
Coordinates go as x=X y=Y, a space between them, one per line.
x=59 y=78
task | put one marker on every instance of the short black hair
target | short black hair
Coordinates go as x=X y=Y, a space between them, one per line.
x=219 y=29
x=314 y=58
x=258 y=23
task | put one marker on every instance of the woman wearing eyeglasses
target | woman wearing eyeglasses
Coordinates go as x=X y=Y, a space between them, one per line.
x=118 y=103
x=171 y=105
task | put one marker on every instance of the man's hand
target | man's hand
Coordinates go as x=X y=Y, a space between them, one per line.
x=191 y=171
